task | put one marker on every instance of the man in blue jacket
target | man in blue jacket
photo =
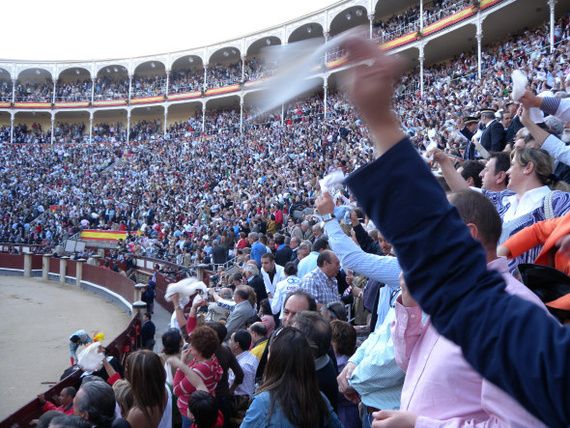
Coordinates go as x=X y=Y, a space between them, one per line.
x=509 y=341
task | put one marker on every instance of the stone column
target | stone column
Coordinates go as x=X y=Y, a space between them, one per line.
x=63 y=268
x=479 y=36
x=90 y=126
x=28 y=265
x=551 y=4
x=139 y=308
x=421 y=59
x=12 y=118
x=200 y=270
x=241 y=115
x=79 y=271
x=45 y=266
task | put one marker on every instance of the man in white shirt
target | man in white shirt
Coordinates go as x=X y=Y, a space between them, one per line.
x=271 y=272
x=283 y=288
x=239 y=344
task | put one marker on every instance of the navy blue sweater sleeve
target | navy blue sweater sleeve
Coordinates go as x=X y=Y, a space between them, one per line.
x=508 y=340
x=367 y=244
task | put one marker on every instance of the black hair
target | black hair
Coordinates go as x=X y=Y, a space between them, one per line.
x=204 y=408
x=310 y=299
x=243 y=338
x=321 y=244
x=171 y=341
x=317 y=330
x=220 y=330
x=290 y=269
x=472 y=169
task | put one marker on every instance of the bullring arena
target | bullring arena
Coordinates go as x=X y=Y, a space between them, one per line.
x=172 y=145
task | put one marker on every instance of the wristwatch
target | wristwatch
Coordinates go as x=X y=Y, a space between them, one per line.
x=328 y=217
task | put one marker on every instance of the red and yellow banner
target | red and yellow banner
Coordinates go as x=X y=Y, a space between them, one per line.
x=109 y=103
x=223 y=90
x=450 y=20
x=148 y=100
x=71 y=104
x=5 y=104
x=185 y=95
x=336 y=63
x=487 y=3
x=32 y=105
x=398 y=42
x=102 y=235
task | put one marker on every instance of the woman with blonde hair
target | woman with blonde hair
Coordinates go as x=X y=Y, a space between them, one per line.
x=123 y=396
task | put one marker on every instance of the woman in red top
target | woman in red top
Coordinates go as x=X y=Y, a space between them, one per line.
x=203 y=343
x=242 y=243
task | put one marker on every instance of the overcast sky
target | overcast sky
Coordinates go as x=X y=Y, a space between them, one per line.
x=41 y=30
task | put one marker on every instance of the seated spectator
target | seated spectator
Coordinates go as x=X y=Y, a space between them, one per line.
x=259 y=338
x=66 y=397
x=70 y=421
x=334 y=311
x=123 y=396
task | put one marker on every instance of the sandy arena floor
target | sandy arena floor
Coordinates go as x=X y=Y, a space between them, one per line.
x=37 y=318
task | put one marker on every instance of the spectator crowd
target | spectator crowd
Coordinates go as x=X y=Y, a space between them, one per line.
x=316 y=326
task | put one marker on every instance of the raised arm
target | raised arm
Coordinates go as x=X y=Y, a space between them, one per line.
x=539 y=134
x=369 y=86
x=453 y=179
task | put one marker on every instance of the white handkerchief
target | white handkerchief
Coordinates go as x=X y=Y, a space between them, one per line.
x=332 y=180
x=519 y=84
x=298 y=64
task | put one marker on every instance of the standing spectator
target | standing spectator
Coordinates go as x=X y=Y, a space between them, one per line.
x=289 y=396
x=148 y=331
x=271 y=273
x=344 y=345
x=240 y=342
x=321 y=283
x=203 y=343
x=284 y=287
x=152 y=400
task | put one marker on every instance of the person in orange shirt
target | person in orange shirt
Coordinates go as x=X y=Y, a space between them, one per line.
x=550 y=234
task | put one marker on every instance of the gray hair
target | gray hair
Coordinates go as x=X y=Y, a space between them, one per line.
x=251 y=269
x=556 y=125
x=98 y=400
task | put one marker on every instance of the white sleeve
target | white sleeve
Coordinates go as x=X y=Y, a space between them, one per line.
x=557 y=149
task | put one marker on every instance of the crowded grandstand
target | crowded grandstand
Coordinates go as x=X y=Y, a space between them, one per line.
x=174 y=152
